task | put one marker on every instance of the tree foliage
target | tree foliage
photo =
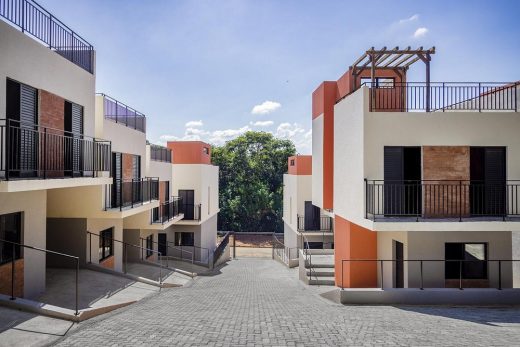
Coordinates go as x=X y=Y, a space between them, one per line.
x=251 y=182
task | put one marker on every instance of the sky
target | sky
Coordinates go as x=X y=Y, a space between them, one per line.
x=212 y=70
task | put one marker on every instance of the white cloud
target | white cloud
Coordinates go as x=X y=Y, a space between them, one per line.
x=266 y=107
x=410 y=19
x=219 y=137
x=194 y=123
x=262 y=123
x=288 y=130
x=420 y=32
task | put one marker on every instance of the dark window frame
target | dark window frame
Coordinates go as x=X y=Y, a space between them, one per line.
x=149 y=245
x=7 y=248
x=184 y=239
x=106 y=242
x=467 y=266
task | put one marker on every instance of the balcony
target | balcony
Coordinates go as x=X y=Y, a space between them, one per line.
x=124 y=194
x=167 y=211
x=120 y=113
x=191 y=212
x=36 y=152
x=160 y=153
x=37 y=22
x=448 y=200
x=390 y=96
x=319 y=224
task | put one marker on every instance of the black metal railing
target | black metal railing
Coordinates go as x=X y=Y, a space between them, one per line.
x=424 y=273
x=323 y=223
x=176 y=253
x=219 y=250
x=132 y=256
x=33 y=19
x=160 y=153
x=284 y=253
x=191 y=211
x=33 y=151
x=131 y=193
x=167 y=210
x=118 y=112
x=15 y=254
x=445 y=96
x=429 y=199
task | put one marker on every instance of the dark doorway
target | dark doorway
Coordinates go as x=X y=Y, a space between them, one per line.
x=117 y=174
x=488 y=181
x=188 y=203
x=162 y=245
x=399 y=265
x=314 y=245
x=402 y=176
x=73 y=150
x=312 y=216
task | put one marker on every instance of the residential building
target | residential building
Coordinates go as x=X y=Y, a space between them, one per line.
x=421 y=178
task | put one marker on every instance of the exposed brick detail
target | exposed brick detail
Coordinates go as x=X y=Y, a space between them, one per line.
x=127 y=166
x=162 y=190
x=52 y=115
x=108 y=262
x=5 y=278
x=448 y=198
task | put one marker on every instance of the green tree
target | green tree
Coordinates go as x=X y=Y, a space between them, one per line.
x=251 y=181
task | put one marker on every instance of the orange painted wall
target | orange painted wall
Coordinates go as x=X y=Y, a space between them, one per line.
x=190 y=152
x=299 y=165
x=352 y=241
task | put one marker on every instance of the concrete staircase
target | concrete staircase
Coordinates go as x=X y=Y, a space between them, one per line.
x=317 y=267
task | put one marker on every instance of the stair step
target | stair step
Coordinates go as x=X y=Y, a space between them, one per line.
x=322 y=282
x=320 y=273
x=319 y=266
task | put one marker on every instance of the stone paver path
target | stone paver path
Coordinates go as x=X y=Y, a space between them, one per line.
x=258 y=302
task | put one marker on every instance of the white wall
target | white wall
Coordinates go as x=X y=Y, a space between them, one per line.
x=28 y=61
x=95 y=226
x=198 y=177
x=297 y=189
x=317 y=161
x=33 y=206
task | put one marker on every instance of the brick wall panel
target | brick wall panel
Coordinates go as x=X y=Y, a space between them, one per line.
x=52 y=115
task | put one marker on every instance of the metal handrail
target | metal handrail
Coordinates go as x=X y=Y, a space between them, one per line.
x=174 y=201
x=46 y=251
x=308 y=255
x=219 y=250
x=160 y=153
x=286 y=255
x=421 y=261
x=167 y=256
x=137 y=195
x=32 y=18
x=125 y=253
x=197 y=209
x=206 y=250
x=130 y=112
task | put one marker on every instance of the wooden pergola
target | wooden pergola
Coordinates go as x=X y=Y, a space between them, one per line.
x=396 y=59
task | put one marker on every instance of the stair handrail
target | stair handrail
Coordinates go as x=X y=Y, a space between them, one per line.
x=308 y=255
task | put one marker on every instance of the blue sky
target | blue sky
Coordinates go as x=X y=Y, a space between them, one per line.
x=198 y=68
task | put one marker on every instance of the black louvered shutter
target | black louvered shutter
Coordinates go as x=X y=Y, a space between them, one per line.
x=77 y=134
x=495 y=180
x=117 y=177
x=28 y=136
x=393 y=176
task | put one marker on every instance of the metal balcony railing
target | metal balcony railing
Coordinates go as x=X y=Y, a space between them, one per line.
x=167 y=210
x=323 y=223
x=130 y=193
x=191 y=211
x=444 y=96
x=160 y=153
x=36 y=21
x=431 y=199
x=118 y=112
x=33 y=151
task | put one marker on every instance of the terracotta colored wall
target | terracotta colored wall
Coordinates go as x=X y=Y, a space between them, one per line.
x=5 y=278
x=446 y=163
x=352 y=241
x=127 y=161
x=299 y=165
x=162 y=190
x=108 y=262
x=52 y=115
x=190 y=152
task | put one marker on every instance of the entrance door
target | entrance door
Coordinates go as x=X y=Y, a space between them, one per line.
x=399 y=265
x=188 y=203
x=488 y=180
x=162 y=244
x=312 y=216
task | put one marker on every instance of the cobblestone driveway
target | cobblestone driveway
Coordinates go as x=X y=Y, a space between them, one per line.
x=260 y=302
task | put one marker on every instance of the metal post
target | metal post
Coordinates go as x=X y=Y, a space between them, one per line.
x=23 y=17
x=422 y=285
x=366 y=198
x=50 y=31
x=234 y=246
x=12 y=272
x=160 y=267
x=90 y=247
x=77 y=286
x=500 y=275
x=382 y=287
x=427 y=82
x=120 y=194
x=8 y=149
x=125 y=251
x=479 y=100
x=44 y=152
x=460 y=201
x=460 y=274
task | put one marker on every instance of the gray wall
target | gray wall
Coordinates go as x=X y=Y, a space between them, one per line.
x=69 y=236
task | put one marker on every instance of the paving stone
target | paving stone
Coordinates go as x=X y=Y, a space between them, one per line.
x=258 y=302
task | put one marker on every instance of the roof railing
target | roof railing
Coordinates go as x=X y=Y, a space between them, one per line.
x=39 y=23
x=118 y=112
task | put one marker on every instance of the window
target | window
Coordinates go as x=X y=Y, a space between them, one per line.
x=205 y=150
x=10 y=230
x=474 y=256
x=184 y=239
x=149 y=245
x=106 y=244
x=292 y=162
x=380 y=82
